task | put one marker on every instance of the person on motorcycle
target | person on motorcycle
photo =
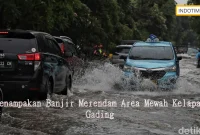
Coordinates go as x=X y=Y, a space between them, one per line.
x=100 y=49
x=96 y=51
x=198 y=59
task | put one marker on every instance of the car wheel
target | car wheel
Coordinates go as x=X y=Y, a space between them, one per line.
x=49 y=91
x=67 y=86
x=1 y=99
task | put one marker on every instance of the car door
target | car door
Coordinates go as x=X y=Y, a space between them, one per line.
x=60 y=71
x=46 y=64
x=52 y=61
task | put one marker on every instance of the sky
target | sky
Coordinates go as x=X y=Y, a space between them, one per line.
x=181 y=1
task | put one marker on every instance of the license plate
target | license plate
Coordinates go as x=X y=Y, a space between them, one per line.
x=5 y=64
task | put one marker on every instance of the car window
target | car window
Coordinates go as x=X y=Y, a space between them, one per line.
x=42 y=46
x=70 y=47
x=151 y=53
x=53 y=47
x=18 y=43
x=58 y=40
x=56 y=48
x=50 y=46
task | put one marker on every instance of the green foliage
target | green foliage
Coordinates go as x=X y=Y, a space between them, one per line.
x=90 y=22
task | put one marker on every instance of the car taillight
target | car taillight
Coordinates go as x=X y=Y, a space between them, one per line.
x=36 y=57
x=29 y=57
x=62 y=48
x=3 y=32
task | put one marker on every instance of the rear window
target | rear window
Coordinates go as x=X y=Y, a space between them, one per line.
x=17 y=43
x=59 y=40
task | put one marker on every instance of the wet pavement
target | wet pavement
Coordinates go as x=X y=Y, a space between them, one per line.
x=127 y=118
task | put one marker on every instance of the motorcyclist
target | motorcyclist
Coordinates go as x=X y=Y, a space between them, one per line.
x=100 y=49
x=95 y=52
x=198 y=59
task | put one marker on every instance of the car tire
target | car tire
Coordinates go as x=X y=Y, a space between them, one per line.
x=48 y=91
x=1 y=99
x=67 y=86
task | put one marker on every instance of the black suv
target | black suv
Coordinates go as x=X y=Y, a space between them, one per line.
x=32 y=62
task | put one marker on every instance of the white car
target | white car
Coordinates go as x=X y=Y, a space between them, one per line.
x=192 y=52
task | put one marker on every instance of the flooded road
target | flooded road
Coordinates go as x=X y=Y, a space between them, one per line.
x=102 y=82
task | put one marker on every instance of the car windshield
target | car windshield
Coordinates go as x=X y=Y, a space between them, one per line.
x=122 y=50
x=151 y=53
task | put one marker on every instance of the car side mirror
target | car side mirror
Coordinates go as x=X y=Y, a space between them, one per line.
x=179 y=58
x=68 y=54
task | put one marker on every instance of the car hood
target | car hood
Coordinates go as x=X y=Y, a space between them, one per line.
x=150 y=63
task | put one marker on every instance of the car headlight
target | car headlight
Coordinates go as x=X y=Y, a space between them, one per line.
x=171 y=69
x=127 y=68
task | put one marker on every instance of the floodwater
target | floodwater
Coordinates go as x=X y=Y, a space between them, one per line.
x=103 y=82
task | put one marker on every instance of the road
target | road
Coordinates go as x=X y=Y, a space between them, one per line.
x=103 y=82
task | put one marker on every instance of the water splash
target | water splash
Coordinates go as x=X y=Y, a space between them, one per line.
x=105 y=76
